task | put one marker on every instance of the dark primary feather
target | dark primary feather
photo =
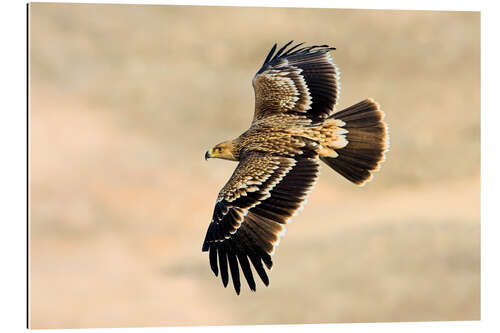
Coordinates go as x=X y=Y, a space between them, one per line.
x=213 y=260
x=287 y=53
x=222 y=253
x=247 y=271
x=270 y=54
x=282 y=49
x=235 y=272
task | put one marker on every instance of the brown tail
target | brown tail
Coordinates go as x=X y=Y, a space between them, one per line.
x=368 y=140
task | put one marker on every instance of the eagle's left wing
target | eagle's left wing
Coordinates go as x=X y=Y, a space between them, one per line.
x=261 y=195
x=302 y=82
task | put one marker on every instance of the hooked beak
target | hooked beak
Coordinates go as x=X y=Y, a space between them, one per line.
x=207 y=155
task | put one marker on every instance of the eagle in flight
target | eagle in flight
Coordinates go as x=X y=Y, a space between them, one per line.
x=294 y=127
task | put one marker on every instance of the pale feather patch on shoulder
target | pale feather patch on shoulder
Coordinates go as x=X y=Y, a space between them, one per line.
x=334 y=136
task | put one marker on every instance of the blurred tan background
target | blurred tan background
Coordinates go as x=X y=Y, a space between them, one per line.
x=124 y=102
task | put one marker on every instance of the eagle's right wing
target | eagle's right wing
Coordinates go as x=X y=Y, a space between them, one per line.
x=302 y=82
x=261 y=195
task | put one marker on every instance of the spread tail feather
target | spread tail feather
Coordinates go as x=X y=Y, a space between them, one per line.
x=367 y=142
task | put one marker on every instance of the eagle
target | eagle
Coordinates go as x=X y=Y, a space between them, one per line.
x=294 y=126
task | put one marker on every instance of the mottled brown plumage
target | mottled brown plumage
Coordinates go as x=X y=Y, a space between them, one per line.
x=294 y=126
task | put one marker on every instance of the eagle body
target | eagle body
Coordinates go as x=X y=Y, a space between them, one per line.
x=293 y=129
x=284 y=135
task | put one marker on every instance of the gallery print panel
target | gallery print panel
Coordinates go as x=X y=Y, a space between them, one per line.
x=171 y=147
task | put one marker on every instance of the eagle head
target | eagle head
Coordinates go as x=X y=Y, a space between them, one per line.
x=223 y=150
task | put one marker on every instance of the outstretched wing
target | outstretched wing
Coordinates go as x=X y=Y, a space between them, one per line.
x=251 y=210
x=300 y=81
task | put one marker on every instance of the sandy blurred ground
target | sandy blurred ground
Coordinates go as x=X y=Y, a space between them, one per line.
x=126 y=99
